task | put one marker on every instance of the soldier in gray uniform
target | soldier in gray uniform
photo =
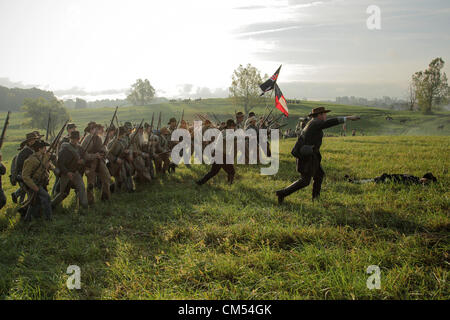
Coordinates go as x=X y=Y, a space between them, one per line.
x=71 y=167
x=309 y=166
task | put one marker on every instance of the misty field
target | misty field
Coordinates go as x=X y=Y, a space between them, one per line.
x=174 y=240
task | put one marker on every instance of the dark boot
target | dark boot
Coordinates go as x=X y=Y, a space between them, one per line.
x=280 y=196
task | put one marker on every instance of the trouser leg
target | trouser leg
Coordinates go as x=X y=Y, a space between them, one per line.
x=64 y=189
x=105 y=179
x=158 y=164
x=91 y=176
x=32 y=211
x=304 y=181
x=127 y=178
x=45 y=203
x=166 y=161
x=80 y=189
x=151 y=169
x=55 y=189
x=2 y=198
x=139 y=164
x=215 y=168
x=318 y=178
x=229 y=169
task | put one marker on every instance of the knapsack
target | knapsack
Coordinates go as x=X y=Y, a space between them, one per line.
x=13 y=175
x=302 y=150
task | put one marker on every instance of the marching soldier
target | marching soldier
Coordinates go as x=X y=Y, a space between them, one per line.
x=119 y=166
x=25 y=152
x=183 y=125
x=240 y=124
x=111 y=136
x=95 y=164
x=148 y=148
x=140 y=156
x=309 y=166
x=66 y=139
x=35 y=175
x=162 y=151
x=215 y=167
x=172 y=125
x=70 y=165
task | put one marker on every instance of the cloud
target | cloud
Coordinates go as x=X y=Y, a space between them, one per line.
x=188 y=90
x=250 y=7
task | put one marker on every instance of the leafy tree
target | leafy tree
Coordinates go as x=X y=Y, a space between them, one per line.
x=431 y=86
x=37 y=111
x=244 y=90
x=80 y=103
x=142 y=93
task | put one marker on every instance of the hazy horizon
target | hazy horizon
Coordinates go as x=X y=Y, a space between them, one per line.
x=97 y=49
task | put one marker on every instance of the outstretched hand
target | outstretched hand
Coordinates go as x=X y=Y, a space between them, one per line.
x=353 y=118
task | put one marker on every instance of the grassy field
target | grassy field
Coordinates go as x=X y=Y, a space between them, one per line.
x=174 y=240
x=373 y=120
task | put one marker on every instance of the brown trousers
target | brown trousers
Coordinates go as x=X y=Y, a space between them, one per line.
x=98 y=168
x=142 y=172
x=215 y=168
x=162 y=162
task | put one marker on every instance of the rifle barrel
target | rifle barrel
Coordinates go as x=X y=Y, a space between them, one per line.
x=2 y=138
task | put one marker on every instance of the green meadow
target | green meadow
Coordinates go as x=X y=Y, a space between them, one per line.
x=172 y=239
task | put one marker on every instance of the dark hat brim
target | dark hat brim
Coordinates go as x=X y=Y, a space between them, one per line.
x=324 y=111
x=36 y=137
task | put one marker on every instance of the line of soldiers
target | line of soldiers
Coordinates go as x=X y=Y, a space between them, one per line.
x=130 y=155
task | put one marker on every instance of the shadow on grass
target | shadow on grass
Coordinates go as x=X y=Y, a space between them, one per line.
x=34 y=256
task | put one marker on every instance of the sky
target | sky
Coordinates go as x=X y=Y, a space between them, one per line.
x=96 y=49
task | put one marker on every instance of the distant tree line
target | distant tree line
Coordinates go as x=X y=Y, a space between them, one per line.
x=384 y=102
x=13 y=99
x=79 y=103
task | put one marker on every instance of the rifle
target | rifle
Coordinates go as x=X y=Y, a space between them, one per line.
x=48 y=126
x=2 y=137
x=109 y=128
x=57 y=138
x=134 y=134
x=159 y=122
x=274 y=121
x=151 y=125
x=217 y=119
x=265 y=118
x=179 y=122
x=117 y=122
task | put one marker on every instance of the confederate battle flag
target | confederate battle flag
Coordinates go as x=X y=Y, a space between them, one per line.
x=280 y=101
x=269 y=84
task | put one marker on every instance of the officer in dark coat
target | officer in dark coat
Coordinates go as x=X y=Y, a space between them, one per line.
x=310 y=166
